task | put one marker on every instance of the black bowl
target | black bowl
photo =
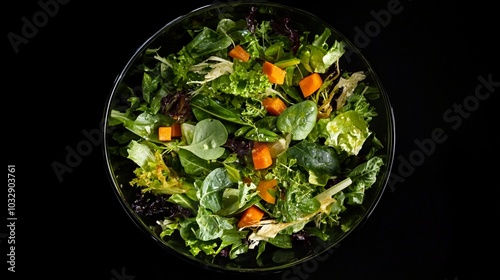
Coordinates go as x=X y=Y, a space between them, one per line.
x=170 y=39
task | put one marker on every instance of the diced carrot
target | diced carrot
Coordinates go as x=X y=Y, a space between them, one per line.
x=251 y=216
x=274 y=105
x=275 y=74
x=266 y=190
x=176 y=130
x=261 y=156
x=240 y=53
x=310 y=84
x=165 y=133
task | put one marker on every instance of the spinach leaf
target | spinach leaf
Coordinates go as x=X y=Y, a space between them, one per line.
x=298 y=119
x=235 y=199
x=194 y=165
x=144 y=125
x=208 y=136
x=322 y=162
x=211 y=190
x=363 y=177
x=206 y=42
x=211 y=107
x=282 y=241
x=236 y=239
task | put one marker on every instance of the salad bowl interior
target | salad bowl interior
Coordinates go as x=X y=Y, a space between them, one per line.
x=133 y=87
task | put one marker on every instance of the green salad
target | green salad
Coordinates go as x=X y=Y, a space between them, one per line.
x=250 y=136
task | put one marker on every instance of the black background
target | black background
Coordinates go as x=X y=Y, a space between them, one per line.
x=434 y=222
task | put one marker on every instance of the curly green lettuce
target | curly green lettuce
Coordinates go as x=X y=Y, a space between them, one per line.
x=153 y=175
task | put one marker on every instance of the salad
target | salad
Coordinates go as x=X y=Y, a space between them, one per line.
x=251 y=136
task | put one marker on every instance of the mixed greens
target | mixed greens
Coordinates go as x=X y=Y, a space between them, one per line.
x=207 y=184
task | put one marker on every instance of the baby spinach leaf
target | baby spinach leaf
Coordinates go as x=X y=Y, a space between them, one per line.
x=363 y=177
x=212 y=189
x=320 y=161
x=208 y=137
x=144 y=125
x=194 y=165
x=206 y=42
x=298 y=119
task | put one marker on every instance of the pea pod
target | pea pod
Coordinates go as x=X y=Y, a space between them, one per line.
x=275 y=50
x=298 y=119
x=242 y=131
x=287 y=62
x=261 y=135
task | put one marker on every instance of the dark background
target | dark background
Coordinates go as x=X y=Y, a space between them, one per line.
x=435 y=222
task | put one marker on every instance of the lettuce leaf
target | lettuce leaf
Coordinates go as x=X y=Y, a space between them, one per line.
x=153 y=175
x=347 y=132
x=318 y=56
